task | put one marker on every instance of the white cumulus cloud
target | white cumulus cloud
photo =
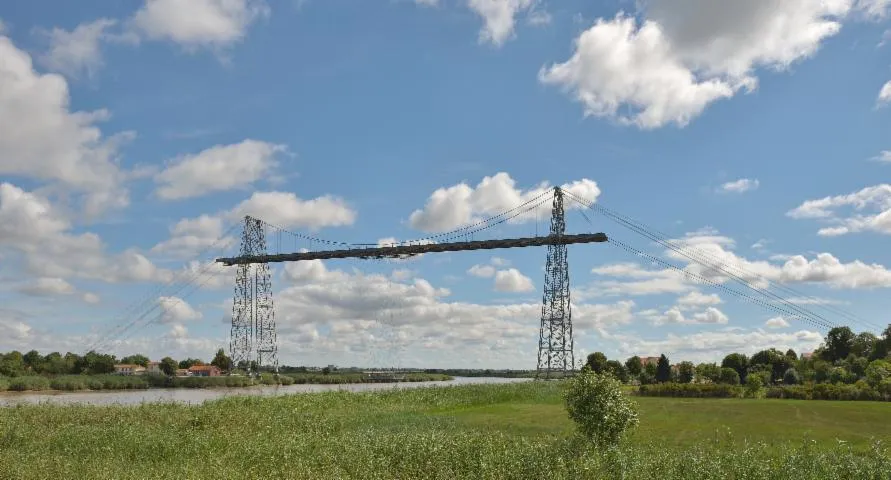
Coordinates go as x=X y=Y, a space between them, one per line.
x=459 y=205
x=511 y=280
x=176 y=310
x=686 y=54
x=77 y=52
x=218 y=168
x=776 y=322
x=198 y=23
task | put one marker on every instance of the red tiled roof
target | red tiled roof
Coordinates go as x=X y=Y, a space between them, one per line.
x=201 y=368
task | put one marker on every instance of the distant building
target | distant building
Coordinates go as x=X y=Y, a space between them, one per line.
x=182 y=372
x=806 y=355
x=129 y=369
x=644 y=361
x=154 y=368
x=204 y=371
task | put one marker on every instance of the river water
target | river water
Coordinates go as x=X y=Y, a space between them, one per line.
x=200 y=395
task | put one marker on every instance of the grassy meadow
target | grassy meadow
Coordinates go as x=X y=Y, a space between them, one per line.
x=474 y=431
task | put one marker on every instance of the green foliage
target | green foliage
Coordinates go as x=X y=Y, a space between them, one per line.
x=616 y=369
x=634 y=366
x=738 y=362
x=691 y=390
x=168 y=366
x=825 y=391
x=708 y=371
x=511 y=432
x=663 y=369
x=839 y=342
x=754 y=385
x=190 y=362
x=138 y=359
x=601 y=412
x=729 y=376
x=596 y=362
x=686 y=372
x=791 y=377
x=877 y=372
x=791 y=355
x=222 y=361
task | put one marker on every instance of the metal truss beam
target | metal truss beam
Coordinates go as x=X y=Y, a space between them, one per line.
x=410 y=250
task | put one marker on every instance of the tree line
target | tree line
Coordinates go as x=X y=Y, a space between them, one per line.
x=843 y=358
x=16 y=364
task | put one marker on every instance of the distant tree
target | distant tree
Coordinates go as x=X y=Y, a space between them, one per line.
x=863 y=344
x=650 y=369
x=646 y=377
x=791 y=355
x=877 y=372
x=754 y=385
x=857 y=365
x=190 y=362
x=791 y=377
x=709 y=371
x=32 y=360
x=821 y=371
x=327 y=370
x=94 y=363
x=168 y=366
x=617 y=370
x=686 y=371
x=54 y=364
x=663 y=369
x=839 y=342
x=597 y=362
x=633 y=365
x=729 y=376
x=738 y=362
x=222 y=361
x=137 y=359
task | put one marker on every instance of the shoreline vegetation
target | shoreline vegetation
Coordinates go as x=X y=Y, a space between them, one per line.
x=510 y=431
x=72 y=383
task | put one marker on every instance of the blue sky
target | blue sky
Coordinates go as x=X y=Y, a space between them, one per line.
x=132 y=135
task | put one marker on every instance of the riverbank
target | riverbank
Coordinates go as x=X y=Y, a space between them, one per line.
x=517 y=430
x=70 y=383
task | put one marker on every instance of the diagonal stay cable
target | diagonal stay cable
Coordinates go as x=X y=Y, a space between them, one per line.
x=208 y=276
x=722 y=287
x=643 y=231
x=152 y=298
x=624 y=219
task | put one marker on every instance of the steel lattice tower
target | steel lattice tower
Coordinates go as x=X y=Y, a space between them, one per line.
x=252 y=337
x=555 y=345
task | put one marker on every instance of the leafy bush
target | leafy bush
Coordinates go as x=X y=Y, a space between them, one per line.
x=729 y=376
x=30 y=382
x=691 y=390
x=826 y=391
x=601 y=411
x=791 y=377
x=754 y=385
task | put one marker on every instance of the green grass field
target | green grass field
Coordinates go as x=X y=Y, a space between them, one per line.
x=478 y=431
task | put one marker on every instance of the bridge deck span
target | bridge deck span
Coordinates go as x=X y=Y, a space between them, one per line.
x=411 y=250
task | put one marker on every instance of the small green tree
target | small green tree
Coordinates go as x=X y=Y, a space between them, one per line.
x=738 y=362
x=686 y=371
x=729 y=376
x=616 y=369
x=709 y=371
x=634 y=366
x=663 y=369
x=138 y=359
x=597 y=362
x=168 y=366
x=754 y=385
x=601 y=412
x=222 y=361
x=791 y=377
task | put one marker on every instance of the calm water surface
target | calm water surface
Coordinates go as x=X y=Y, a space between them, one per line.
x=196 y=396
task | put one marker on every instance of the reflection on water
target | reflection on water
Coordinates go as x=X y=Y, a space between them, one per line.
x=195 y=396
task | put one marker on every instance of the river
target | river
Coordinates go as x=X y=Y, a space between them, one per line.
x=201 y=395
